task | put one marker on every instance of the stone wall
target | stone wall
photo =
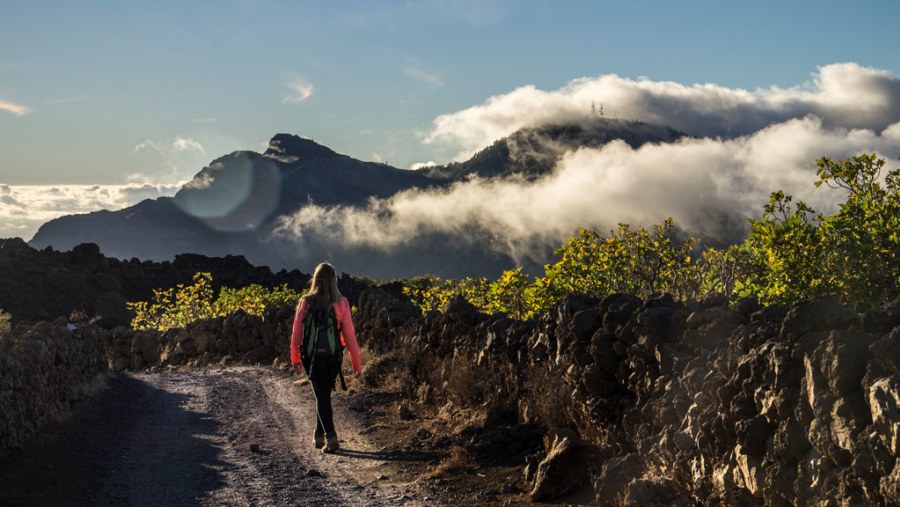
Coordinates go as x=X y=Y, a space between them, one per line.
x=239 y=337
x=682 y=402
x=43 y=368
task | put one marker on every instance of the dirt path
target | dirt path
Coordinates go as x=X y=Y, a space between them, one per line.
x=217 y=436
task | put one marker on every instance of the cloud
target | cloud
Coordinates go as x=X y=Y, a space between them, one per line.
x=420 y=165
x=11 y=201
x=183 y=144
x=844 y=95
x=201 y=180
x=67 y=100
x=415 y=71
x=710 y=186
x=300 y=91
x=15 y=109
x=178 y=144
x=180 y=159
x=24 y=208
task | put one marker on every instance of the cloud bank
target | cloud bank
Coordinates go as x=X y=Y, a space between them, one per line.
x=24 y=208
x=746 y=144
x=843 y=95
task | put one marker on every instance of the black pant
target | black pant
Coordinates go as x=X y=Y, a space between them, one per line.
x=322 y=379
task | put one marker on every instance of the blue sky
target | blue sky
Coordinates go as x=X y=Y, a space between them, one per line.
x=112 y=93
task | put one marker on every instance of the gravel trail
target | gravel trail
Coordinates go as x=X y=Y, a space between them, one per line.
x=213 y=436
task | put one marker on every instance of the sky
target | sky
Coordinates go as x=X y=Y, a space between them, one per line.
x=105 y=103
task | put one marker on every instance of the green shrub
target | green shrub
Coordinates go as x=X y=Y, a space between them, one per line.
x=179 y=306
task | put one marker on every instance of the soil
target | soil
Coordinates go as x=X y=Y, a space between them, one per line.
x=243 y=436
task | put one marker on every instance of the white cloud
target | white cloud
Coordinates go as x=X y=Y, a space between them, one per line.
x=16 y=109
x=420 y=165
x=201 y=180
x=178 y=144
x=300 y=91
x=843 y=95
x=709 y=185
x=24 y=208
x=185 y=144
x=415 y=71
x=181 y=157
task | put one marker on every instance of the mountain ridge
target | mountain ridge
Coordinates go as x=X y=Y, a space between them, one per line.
x=232 y=205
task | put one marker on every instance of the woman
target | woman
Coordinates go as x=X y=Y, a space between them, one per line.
x=323 y=292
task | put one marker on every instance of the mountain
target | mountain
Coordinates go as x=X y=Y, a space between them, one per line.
x=534 y=151
x=233 y=205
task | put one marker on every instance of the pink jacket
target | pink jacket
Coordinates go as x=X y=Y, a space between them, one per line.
x=345 y=324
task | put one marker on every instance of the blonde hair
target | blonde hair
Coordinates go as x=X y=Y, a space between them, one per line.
x=323 y=289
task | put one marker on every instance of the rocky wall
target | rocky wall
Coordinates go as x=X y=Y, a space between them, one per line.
x=43 y=368
x=681 y=403
x=238 y=337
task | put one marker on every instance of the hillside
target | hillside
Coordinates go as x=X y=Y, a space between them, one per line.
x=533 y=152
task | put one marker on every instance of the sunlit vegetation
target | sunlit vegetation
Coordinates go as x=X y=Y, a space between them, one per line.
x=178 y=306
x=852 y=254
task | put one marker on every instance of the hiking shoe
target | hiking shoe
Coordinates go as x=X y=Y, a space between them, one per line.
x=319 y=441
x=331 y=443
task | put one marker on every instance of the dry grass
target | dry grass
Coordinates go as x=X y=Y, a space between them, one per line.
x=549 y=399
x=459 y=460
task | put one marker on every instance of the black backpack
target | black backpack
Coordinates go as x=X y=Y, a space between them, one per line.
x=322 y=347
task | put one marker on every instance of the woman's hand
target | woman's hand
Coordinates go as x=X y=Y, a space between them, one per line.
x=298 y=368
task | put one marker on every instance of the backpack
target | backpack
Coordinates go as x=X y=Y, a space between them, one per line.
x=322 y=347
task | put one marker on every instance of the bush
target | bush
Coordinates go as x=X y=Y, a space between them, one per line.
x=179 y=306
x=853 y=255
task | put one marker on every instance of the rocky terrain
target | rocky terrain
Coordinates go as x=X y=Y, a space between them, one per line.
x=621 y=401
x=662 y=403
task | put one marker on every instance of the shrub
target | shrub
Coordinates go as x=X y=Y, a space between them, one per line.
x=179 y=306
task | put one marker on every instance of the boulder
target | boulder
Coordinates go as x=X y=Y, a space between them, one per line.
x=883 y=398
x=565 y=467
x=820 y=313
x=617 y=474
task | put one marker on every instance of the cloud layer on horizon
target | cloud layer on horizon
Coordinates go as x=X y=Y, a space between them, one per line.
x=24 y=208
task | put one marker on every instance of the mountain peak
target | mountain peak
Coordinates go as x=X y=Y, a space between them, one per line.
x=291 y=148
